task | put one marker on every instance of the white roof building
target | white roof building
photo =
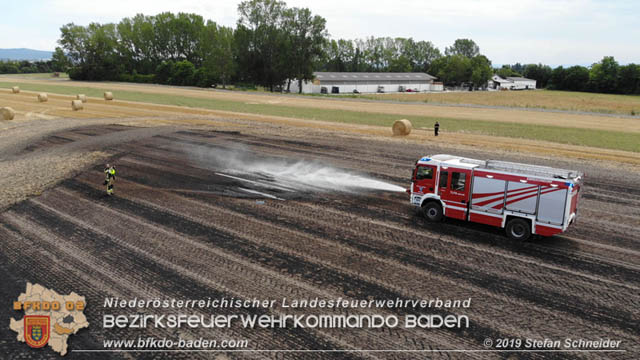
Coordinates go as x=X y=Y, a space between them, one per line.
x=368 y=82
x=512 y=83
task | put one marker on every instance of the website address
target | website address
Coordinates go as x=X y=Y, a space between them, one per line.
x=164 y=343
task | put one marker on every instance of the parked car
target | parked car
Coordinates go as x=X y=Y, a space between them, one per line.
x=355 y=91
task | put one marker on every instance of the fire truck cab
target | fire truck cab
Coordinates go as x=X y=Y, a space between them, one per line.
x=524 y=199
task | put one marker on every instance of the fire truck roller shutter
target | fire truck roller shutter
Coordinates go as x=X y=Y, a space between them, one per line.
x=487 y=195
x=522 y=197
x=552 y=205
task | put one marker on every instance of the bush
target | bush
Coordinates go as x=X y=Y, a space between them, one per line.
x=145 y=79
x=204 y=78
x=125 y=78
x=183 y=72
x=164 y=71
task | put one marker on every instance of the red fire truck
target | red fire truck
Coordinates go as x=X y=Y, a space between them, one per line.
x=523 y=199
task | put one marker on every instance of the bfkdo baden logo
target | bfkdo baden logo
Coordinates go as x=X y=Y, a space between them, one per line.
x=49 y=318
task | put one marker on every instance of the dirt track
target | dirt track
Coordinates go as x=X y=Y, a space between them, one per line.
x=181 y=226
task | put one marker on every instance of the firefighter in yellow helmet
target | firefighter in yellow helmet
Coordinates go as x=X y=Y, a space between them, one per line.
x=110 y=178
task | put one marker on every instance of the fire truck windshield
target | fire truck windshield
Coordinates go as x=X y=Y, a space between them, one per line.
x=424 y=172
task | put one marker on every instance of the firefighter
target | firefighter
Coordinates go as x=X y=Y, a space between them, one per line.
x=110 y=178
x=436 y=127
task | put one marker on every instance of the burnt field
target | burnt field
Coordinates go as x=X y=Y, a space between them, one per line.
x=208 y=214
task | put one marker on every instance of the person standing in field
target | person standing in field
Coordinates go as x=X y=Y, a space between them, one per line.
x=436 y=127
x=110 y=178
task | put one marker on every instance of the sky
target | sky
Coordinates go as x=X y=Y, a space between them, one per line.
x=553 y=32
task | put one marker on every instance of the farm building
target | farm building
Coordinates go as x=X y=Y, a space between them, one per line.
x=366 y=82
x=511 y=83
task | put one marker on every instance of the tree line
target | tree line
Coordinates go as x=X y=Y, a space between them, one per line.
x=31 y=67
x=605 y=76
x=273 y=43
x=270 y=45
x=461 y=63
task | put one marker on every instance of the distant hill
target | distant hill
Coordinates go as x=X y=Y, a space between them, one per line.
x=24 y=54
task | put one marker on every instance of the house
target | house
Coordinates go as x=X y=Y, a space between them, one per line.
x=367 y=82
x=511 y=83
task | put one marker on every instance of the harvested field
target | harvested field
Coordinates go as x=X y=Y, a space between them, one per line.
x=207 y=211
x=169 y=94
x=538 y=99
x=577 y=136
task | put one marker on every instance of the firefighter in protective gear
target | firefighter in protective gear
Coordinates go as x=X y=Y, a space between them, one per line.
x=110 y=178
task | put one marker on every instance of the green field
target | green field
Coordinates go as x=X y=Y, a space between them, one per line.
x=558 y=134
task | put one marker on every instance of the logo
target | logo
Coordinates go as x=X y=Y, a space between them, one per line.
x=49 y=318
x=36 y=330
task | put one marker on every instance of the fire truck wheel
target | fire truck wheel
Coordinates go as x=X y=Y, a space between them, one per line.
x=432 y=211
x=518 y=229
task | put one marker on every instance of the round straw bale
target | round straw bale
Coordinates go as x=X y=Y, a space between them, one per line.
x=42 y=97
x=108 y=95
x=7 y=113
x=401 y=127
x=77 y=105
x=15 y=89
x=82 y=97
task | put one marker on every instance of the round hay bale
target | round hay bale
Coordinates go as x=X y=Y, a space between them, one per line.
x=43 y=97
x=77 y=105
x=401 y=127
x=15 y=89
x=82 y=97
x=7 y=113
x=108 y=95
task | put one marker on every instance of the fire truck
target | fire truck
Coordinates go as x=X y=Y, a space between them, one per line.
x=523 y=199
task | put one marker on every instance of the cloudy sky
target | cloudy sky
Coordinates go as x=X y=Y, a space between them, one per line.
x=554 y=32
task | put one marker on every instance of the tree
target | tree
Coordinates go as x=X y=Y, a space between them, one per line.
x=576 y=78
x=463 y=47
x=556 y=82
x=137 y=45
x=481 y=71
x=540 y=73
x=339 y=55
x=59 y=61
x=263 y=41
x=183 y=72
x=400 y=64
x=629 y=82
x=164 y=71
x=603 y=76
x=424 y=53
x=307 y=35
x=455 y=69
x=506 y=71
x=218 y=48
x=92 y=51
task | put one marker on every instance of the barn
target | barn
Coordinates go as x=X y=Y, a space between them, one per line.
x=512 y=83
x=367 y=82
